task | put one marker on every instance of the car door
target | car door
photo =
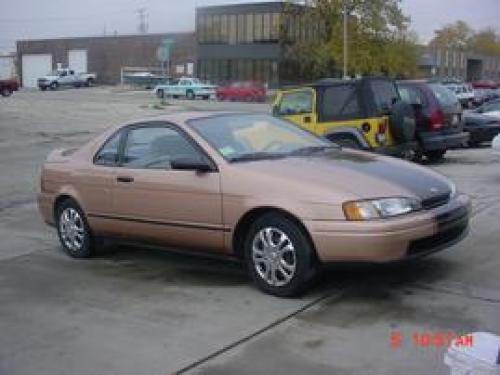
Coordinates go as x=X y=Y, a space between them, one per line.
x=174 y=207
x=298 y=106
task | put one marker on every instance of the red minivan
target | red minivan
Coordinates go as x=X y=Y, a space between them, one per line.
x=438 y=115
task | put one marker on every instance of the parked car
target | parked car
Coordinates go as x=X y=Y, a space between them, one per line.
x=481 y=128
x=464 y=92
x=438 y=116
x=495 y=144
x=65 y=77
x=249 y=186
x=365 y=113
x=491 y=108
x=191 y=88
x=7 y=87
x=147 y=80
x=247 y=91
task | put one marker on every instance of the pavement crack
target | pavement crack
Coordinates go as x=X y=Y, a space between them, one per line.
x=259 y=332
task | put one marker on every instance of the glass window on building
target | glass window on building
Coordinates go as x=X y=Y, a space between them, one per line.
x=216 y=28
x=249 y=28
x=266 y=26
x=209 y=25
x=298 y=28
x=201 y=28
x=224 y=38
x=258 y=27
x=275 y=26
x=233 y=30
x=241 y=29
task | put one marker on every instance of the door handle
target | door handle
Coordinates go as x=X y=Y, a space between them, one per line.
x=125 y=179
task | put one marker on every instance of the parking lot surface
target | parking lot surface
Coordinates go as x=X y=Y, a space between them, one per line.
x=134 y=310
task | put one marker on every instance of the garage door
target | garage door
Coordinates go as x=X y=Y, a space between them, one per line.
x=77 y=60
x=35 y=66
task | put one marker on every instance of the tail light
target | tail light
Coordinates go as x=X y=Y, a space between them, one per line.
x=380 y=137
x=382 y=127
x=436 y=119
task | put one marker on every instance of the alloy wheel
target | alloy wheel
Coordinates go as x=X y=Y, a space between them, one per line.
x=72 y=229
x=274 y=256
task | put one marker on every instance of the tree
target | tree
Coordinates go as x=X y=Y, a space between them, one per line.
x=379 y=41
x=485 y=41
x=455 y=35
x=461 y=35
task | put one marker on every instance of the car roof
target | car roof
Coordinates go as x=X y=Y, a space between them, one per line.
x=181 y=118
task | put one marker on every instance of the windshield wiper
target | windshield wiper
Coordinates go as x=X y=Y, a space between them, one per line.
x=257 y=156
x=313 y=149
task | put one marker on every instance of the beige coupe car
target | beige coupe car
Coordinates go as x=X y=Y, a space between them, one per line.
x=250 y=186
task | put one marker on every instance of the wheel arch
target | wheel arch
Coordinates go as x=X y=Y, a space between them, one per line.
x=250 y=216
x=347 y=131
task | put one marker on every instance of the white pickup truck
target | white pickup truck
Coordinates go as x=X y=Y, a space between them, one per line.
x=65 y=77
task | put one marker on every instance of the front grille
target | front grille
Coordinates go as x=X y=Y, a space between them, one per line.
x=436 y=241
x=435 y=201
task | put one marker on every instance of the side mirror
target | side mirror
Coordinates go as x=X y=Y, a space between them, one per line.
x=188 y=164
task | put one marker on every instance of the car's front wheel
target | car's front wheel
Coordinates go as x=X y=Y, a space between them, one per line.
x=279 y=256
x=73 y=230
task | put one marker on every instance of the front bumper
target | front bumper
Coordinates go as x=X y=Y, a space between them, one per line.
x=443 y=141
x=483 y=133
x=394 y=239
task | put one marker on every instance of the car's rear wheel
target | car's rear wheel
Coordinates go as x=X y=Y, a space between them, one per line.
x=160 y=94
x=6 y=92
x=190 y=95
x=54 y=85
x=73 y=230
x=279 y=255
x=435 y=155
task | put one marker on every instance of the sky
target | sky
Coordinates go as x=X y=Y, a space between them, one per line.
x=38 y=19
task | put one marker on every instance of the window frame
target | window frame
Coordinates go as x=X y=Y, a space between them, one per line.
x=124 y=132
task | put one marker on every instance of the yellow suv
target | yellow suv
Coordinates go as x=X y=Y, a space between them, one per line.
x=365 y=113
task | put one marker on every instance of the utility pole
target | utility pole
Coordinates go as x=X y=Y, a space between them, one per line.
x=346 y=21
x=142 y=28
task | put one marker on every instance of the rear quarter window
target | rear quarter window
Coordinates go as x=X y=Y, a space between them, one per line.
x=295 y=103
x=385 y=94
x=341 y=102
x=445 y=97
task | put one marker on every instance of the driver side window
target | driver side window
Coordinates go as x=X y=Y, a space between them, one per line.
x=155 y=148
x=295 y=103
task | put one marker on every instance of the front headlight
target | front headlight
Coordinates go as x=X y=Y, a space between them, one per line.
x=380 y=208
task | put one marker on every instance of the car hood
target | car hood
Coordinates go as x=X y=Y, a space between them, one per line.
x=474 y=118
x=349 y=174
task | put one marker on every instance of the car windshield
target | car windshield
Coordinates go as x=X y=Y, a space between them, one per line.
x=253 y=137
x=444 y=96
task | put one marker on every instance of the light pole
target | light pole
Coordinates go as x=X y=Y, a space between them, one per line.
x=345 y=39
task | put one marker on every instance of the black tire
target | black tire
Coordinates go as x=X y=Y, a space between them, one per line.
x=76 y=246
x=346 y=141
x=303 y=258
x=160 y=94
x=89 y=82
x=6 y=92
x=435 y=155
x=402 y=122
x=54 y=85
x=43 y=88
x=190 y=95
